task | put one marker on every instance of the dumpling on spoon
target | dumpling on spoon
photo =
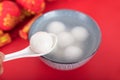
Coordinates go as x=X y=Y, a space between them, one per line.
x=41 y=42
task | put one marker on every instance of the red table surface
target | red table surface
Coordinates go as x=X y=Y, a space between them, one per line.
x=105 y=65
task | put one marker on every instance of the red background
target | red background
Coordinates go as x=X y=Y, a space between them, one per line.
x=105 y=65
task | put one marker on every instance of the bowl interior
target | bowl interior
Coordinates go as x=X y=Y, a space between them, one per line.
x=71 y=19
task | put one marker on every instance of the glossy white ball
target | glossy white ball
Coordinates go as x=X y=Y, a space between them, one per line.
x=41 y=42
x=80 y=33
x=72 y=53
x=65 y=39
x=56 y=27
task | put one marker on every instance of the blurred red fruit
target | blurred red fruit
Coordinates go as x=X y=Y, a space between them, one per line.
x=9 y=15
x=31 y=6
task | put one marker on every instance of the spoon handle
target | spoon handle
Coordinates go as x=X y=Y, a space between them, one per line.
x=16 y=55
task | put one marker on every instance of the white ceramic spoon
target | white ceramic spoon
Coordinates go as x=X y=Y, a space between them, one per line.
x=41 y=43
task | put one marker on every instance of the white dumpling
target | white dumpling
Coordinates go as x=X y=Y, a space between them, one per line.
x=65 y=39
x=41 y=42
x=73 y=53
x=80 y=33
x=56 y=27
